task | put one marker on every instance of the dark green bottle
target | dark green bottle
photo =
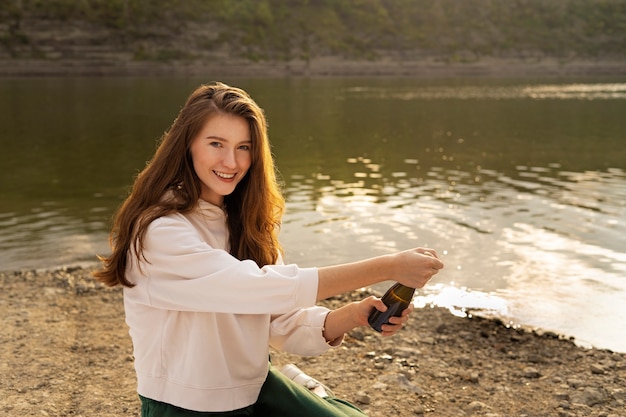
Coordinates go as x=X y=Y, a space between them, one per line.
x=397 y=298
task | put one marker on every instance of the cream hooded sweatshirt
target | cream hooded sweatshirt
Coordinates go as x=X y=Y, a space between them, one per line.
x=202 y=321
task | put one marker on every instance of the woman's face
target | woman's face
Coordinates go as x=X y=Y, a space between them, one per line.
x=221 y=155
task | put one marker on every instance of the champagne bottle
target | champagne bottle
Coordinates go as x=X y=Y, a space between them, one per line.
x=397 y=298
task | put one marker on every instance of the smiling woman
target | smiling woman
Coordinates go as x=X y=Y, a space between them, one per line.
x=195 y=246
x=221 y=156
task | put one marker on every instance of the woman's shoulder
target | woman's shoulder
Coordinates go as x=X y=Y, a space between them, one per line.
x=170 y=218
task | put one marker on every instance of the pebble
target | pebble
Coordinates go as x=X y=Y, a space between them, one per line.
x=401 y=381
x=476 y=406
x=362 y=398
x=619 y=394
x=428 y=340
x=561 y=395
x=575 y=383
x=588 y=396
x=405 y=352
x=530 y=372
x=597 y=369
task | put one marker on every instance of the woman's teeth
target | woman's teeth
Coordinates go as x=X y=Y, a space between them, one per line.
x=223 y=175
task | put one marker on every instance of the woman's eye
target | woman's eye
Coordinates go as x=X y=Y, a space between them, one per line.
x=215 y=144
x=245 y=147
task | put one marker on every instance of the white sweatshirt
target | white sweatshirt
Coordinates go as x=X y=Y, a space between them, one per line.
x=202 y=321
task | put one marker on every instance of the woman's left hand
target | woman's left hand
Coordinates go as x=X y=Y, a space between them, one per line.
x=366 y=306
x=396 y=323
x=356 y=313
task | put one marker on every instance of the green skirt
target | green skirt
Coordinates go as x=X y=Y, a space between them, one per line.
x=279 y=397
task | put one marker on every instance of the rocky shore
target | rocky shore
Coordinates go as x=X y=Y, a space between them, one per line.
x=65 y=351
x=120 y=64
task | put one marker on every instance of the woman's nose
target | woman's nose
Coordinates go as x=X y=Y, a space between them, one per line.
x=230 y=159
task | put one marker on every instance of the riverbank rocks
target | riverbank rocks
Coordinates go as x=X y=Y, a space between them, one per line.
x=65 y=349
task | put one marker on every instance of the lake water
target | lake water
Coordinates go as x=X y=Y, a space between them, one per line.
x=520 y=185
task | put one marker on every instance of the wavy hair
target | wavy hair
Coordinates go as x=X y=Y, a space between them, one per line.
x=254 y=209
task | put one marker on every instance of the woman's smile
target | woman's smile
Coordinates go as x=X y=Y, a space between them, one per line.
x=221 y=155
x=224 y=175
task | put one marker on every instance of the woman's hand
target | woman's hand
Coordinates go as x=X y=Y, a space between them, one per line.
x=396 y=323
x=415 y=267
x=355 y=314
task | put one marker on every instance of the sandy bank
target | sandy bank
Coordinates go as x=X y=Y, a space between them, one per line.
x=66 y=351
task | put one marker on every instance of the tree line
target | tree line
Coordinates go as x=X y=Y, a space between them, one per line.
x=361 y=29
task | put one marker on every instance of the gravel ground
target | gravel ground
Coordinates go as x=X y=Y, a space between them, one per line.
x=65 y=351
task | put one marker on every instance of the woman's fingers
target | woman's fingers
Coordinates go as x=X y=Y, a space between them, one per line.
x=396 y=323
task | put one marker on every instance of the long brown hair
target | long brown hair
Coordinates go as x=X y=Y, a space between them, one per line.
x=254 y=210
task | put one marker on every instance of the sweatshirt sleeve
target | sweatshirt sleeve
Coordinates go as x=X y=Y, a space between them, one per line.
x=301 y=332
x=181 y=271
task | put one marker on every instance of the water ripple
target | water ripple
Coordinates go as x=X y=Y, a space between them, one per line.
x=576 y=91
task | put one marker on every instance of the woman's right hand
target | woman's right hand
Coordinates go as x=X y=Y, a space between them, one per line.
x=415 y=267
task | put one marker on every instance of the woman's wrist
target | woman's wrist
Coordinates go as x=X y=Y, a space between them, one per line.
x=339 y=322
x=328 y=331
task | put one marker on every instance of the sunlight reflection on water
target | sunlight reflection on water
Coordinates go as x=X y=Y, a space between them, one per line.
x=520 y=185
x=554 y=243
x=542 y=91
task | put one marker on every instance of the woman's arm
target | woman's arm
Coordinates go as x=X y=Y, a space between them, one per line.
x=413 y=268
x=355 y=314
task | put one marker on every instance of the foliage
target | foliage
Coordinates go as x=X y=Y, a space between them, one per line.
x=303 y=29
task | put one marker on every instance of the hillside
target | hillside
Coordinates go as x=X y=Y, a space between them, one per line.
x=309 y=37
